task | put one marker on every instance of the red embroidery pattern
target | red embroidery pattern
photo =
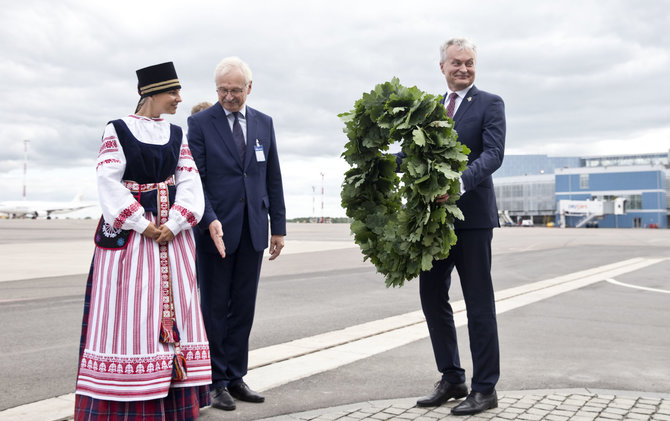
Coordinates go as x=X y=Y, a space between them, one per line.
x=185 y=153
x=189 y=169
x=108 y=145
x=125 y=214
x=186 y=214
x=138 y=117
x=107 y=161
x=145 y=364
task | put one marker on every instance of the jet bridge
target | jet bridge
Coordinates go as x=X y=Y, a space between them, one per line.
x=589 y=210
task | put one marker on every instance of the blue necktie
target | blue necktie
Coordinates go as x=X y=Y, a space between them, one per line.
x=238 y=136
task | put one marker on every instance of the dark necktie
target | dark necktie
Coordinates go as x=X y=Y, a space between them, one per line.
x=452 y=104
x=238 y=136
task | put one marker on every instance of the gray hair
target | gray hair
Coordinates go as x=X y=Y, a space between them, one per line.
x=461 y=43
x=231 y=63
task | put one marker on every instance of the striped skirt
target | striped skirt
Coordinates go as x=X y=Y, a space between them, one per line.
x=181 y=404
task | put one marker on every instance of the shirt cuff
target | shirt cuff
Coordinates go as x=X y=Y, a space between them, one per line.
x=141 y=225
x=173 y=226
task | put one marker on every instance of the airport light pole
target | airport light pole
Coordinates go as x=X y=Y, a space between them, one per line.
x=25 y=166
x=323 y=216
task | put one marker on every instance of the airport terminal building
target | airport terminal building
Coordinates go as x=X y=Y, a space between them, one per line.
x=585 y=191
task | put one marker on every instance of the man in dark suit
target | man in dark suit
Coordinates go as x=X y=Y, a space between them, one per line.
x=479 y=119
x=235 y=151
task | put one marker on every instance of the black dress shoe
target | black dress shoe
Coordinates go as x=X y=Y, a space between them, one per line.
x=475 y=403
x=242 y=392
x=442 y=393
x=221 y=399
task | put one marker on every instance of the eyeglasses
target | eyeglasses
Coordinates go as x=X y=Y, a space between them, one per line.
x=233 y=92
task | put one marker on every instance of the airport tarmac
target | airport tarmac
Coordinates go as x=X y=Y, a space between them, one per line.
x=582 y=315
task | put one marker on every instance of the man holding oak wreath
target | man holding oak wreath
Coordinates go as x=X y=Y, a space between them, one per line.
x=479 y=120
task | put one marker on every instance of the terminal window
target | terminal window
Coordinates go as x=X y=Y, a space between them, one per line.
x=583 y=181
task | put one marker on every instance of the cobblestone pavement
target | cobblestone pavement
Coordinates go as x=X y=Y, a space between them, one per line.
x=578 y=405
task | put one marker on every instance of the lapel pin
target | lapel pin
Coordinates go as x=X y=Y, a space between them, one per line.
x=469 y=98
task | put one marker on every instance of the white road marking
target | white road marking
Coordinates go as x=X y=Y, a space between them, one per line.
x=615 y=282
x=49 y=409
x=283 y=363
x=308 y=246
x=47 y=259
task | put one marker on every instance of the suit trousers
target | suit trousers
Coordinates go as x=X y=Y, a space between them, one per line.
x=471 y=256
x=228 y=290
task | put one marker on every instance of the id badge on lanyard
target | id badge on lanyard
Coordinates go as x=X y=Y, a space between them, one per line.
x=260 y=155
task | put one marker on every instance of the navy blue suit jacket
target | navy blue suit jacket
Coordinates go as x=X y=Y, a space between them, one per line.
x=480 y=124
x=230 y=184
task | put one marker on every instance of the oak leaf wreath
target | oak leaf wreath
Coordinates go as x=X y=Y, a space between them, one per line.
x=396 y=221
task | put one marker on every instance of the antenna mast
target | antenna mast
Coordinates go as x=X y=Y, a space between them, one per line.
x=314 y=202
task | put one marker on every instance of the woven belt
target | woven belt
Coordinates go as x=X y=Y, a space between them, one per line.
x=136 y=187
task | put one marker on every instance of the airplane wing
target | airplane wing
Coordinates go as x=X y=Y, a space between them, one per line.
x=38 y=208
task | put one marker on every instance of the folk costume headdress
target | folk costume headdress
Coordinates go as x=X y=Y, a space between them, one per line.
x=155 y=79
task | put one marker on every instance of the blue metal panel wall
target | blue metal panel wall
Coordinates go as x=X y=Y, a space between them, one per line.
x=624 y=181
x=642 y=180
x=567 y=182
x=653 y=200
x=561 y=183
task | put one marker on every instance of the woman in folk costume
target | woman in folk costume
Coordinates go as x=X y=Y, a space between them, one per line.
x=144 y=352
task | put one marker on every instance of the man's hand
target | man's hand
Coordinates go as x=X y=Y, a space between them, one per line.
x=165 y=235
x=216 y=232
x=151 y=231
x=276 y=244
x=442 y=198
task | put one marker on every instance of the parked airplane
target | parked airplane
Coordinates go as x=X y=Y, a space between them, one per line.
x=35 y=208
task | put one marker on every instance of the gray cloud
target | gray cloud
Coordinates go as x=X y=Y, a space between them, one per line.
x=578 y=77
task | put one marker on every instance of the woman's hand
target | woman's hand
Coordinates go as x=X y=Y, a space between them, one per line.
x=165 y=234
x=151 y=231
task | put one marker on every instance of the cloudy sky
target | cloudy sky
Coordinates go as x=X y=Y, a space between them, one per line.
x=578 y=77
